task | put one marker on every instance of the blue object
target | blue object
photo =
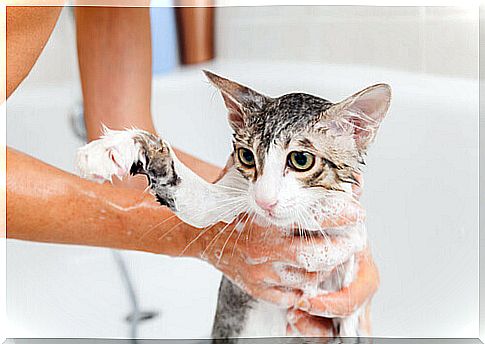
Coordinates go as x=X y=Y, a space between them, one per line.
x=164 y=39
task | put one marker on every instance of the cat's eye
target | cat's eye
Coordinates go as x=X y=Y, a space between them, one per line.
x=246 y=157
x=301 y=161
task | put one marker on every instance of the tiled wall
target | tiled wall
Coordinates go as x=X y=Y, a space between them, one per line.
x=439 y=40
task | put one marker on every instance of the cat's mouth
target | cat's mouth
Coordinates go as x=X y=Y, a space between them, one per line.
x=282 y=216
x=285 y=220
x=265 y=218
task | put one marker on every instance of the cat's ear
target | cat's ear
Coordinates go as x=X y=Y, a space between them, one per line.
x=241 y=101
x=364 y=111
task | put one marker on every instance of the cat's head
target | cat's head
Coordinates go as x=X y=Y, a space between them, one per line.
x=298 y=149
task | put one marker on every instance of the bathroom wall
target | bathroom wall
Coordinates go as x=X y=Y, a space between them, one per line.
x=417 y=39
x=437 y=40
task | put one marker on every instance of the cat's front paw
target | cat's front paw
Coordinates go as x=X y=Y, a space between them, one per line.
x=113 y=154
x=132 y=151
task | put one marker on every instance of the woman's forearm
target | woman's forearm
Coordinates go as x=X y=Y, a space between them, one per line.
x=46 y=204
x=114 y=53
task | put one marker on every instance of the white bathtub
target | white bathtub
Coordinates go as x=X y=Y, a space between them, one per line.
x=421 y=194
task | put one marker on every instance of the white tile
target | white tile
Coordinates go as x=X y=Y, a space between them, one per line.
x=405 y=38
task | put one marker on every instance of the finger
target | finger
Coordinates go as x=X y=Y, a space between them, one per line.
x=347 y=300
x=264 y=274
x=281 y=275
x=309 y=326
x=344 y=216
x=132 y=182
x=324 y=254
x=279 y=296
x=313 y=254
x=365 y=321
x=290 y=331
x=357 y=188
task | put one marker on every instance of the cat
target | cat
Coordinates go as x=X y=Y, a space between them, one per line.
x=293 y=162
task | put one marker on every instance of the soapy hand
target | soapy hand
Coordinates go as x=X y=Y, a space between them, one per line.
x=285 y=270
x=345 y=301
x=312 y=317
x=308 y=317
x=277 y=268
x=302 y=324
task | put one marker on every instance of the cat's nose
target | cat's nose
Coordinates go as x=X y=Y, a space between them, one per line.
x=265 y=204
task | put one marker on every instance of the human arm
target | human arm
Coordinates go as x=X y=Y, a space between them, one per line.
x=28 y=30
x=45 y=204
x=258 y=265
x=114 y=53
x=68 y=211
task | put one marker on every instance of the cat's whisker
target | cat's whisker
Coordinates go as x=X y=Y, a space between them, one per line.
x=301 y=222
x=248 y=238
x=148 y=188
x=223 y=204
x=237 y=207
x=340 y=271
x=240 y=232
x=353 y=125
x=205 y=230
x=174 y=215
x=168 y=219
x=227 y=240
x=300 y=226
x=242 y=189
x=200 y=235
x=177 y=226
x=339 y=268
x=216 y=237
x=157 y=226
x=327 y=240
x=171 y=229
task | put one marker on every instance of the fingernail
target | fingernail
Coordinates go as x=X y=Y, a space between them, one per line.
x=291 y=317
x=303 y=304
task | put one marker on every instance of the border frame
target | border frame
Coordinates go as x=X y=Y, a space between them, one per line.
x=225 y=3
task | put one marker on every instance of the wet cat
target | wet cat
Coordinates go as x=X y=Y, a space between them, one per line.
x=293 y=162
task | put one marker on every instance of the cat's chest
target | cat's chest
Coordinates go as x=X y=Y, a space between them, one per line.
x=267 y=320
x=264 y=320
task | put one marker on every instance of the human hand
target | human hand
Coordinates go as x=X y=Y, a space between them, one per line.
x=271 y=266
x=338 y=304
x=132 y=182
x=303 y=324
x=275 y=289
x=347 y=300
x=312 y=317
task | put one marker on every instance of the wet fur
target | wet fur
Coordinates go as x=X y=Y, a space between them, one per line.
x=158 y=167
x=337 y=134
